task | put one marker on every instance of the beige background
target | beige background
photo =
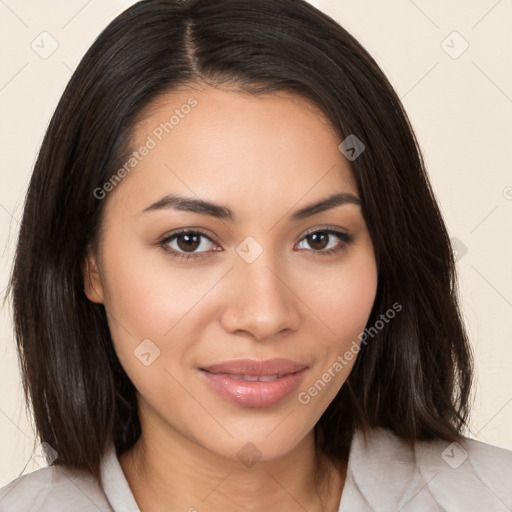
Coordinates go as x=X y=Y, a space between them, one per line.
x=461 y=109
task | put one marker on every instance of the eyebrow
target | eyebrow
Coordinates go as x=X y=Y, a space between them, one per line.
x=202 y=207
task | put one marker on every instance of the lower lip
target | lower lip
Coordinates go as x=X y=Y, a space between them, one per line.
x=253 y=393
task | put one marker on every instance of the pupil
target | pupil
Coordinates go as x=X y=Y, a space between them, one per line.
x=320 y=238
x=193 y=238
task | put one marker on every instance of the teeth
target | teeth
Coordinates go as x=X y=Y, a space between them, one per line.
x=269 y=377
x=254 y=378
x=251 y=378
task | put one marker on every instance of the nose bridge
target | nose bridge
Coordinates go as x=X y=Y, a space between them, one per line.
x=261 y=302
x=262 y=281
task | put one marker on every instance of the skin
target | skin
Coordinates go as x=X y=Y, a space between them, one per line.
x=263 y=157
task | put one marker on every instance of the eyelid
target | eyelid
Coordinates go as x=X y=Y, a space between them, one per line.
x=328 y=228
x=184 y=231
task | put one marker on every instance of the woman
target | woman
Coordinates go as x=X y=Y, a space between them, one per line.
x=233 y=287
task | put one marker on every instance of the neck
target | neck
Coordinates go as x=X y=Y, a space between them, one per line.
x=171 y=472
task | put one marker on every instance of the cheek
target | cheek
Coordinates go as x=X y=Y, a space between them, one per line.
x=352 y=301
x=343 y=301
x=148 y=293
x=343 y=297
x=149 y=298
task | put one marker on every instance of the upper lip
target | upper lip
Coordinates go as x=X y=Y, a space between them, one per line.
x=256 y=367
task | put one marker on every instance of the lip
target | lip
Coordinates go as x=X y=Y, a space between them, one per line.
x=226 y=380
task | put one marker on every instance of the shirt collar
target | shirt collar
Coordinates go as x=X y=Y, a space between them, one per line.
x=115 y=485
x=383 y=475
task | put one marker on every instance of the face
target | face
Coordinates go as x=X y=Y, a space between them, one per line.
x=231 y=317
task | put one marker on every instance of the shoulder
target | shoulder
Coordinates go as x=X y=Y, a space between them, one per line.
x=465 y=475
x=53 y=488
x=467 y=454
x=476 y=471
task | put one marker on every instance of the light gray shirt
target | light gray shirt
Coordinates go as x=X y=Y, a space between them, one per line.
x=383 y=475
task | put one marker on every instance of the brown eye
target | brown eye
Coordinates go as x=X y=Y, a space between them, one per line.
x=188 y=242
x=324 y=241
x=318 y=240
x=185 y=244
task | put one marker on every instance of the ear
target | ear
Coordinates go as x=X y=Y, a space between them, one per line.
x=93 y=287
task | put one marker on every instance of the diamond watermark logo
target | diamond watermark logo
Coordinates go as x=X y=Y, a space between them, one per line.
x=249 y=250
x=146 y=352
x=43 y=455
x=454 y=45
x=459 y=248
x=454 y=455
x=249 y=455
x=352 y=147
x=45 y=45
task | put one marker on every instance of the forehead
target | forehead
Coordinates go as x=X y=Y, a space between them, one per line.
x=235 y=148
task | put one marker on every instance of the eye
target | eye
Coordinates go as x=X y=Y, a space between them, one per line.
x=183 y=244
x=187 y=244
x=322 y=243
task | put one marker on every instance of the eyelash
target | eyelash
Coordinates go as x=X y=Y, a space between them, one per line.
x=345 y=237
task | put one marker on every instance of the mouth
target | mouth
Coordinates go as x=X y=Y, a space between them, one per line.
x=253 y=383
x=253 y=378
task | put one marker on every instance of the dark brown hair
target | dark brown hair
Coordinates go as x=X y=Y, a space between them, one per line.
x=413 y=377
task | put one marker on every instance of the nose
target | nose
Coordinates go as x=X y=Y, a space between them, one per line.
x=260 y=301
